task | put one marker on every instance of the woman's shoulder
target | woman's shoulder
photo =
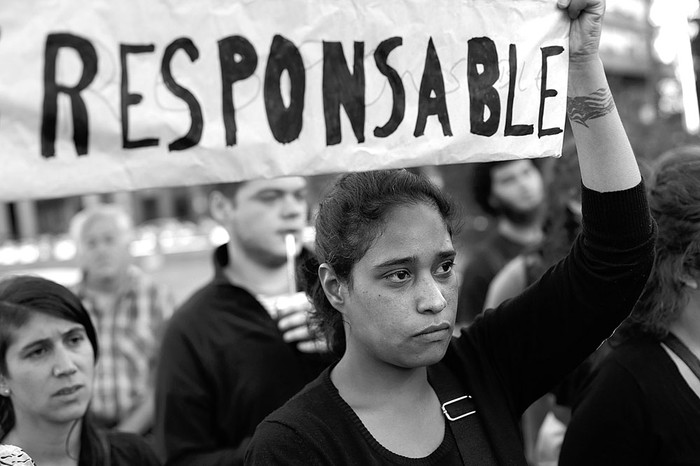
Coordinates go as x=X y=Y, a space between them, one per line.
x=303 y=430
x=314 y=400
x=642 y=361
x=127 y=449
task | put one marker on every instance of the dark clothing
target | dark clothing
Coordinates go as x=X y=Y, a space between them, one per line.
x=637 y=410
x=127 y=449
x=224 y=368
x=509 y=356
x=487 y=259
x=324 y=430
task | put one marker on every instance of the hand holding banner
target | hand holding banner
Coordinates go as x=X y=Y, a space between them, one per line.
x=97 y=96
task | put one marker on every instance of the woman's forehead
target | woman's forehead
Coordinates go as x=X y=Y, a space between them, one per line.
x=42 y=326
x=410 y=230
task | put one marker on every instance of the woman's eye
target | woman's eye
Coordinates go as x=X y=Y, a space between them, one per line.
x=75 y=340
x=36 y=353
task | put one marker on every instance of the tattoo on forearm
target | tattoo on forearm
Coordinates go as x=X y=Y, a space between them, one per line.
x=585 y=108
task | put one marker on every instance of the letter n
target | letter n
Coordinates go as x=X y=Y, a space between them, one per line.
x=340 y=87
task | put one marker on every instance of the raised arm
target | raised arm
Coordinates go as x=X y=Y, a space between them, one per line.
x=539 y=336
x=605 y=155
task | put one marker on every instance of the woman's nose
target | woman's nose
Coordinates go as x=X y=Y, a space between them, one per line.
x=63 y=364
x=431 y=298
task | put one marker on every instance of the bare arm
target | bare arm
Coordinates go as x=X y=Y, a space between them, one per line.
x=605 y=155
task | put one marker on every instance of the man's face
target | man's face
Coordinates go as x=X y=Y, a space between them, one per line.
x=263 y=212
x=517 y=187
x=104 y=248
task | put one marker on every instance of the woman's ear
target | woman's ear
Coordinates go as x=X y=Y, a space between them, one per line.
x=334 y=288
x=4 y=389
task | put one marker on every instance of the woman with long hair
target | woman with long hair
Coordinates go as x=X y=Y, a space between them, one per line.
x=48 y=351
x=642 y=404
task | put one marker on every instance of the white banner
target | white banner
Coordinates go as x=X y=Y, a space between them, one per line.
x=99 y=96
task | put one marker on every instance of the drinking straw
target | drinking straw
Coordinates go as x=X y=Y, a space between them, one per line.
x=291 y=246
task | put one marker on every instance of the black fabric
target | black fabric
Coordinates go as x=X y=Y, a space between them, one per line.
x=317 y=427
x=510 y=356
x=125 y=449
x=637 y=410
x=224 y=367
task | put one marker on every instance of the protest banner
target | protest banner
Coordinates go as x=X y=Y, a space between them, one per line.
x=100 y=96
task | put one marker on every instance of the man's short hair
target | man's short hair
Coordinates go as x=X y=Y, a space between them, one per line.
x=229 y=190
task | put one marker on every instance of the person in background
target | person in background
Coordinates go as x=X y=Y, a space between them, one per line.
x=239 y=347
x=405 y=391
x=130 y=312
x=48 y=351
x=544 y=421
x=641 y=406
x=512 y=192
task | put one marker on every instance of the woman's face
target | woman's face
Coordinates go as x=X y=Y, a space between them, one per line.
x=49 y=370
x=401 y=306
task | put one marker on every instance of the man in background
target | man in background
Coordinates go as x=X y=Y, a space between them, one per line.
x=512 y=192
x=237 y=349
x=129 y=311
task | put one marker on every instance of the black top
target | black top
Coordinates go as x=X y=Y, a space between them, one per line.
x=224 y=367
x=119 y=448
x=326 y=431
x=130 y=450
x=637 y=410
x=508 y=357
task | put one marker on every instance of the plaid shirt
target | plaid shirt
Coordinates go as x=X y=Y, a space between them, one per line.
x=129 y=341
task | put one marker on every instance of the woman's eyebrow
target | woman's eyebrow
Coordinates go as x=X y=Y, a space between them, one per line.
x=396 y=261
x=408 y=260
x=33 y=343
x=43 y=341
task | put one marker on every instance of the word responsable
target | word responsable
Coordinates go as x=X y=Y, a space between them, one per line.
x=343 y=86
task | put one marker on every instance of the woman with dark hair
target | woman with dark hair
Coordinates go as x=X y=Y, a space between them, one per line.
x=48 y=350
x=642 y=404
x=404 y=390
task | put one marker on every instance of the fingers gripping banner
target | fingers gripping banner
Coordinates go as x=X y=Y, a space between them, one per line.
x=100 y=96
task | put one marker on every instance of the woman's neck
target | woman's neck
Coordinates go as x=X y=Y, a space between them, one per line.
x=364 y=384
x=397 y=406
x=47 y=444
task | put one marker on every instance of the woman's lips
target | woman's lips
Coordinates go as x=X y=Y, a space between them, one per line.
x=68 y=390
x=433 y=329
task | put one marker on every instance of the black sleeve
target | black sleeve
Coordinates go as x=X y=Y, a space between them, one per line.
x=183 y=423
x=130 y=449
x=533 y=340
